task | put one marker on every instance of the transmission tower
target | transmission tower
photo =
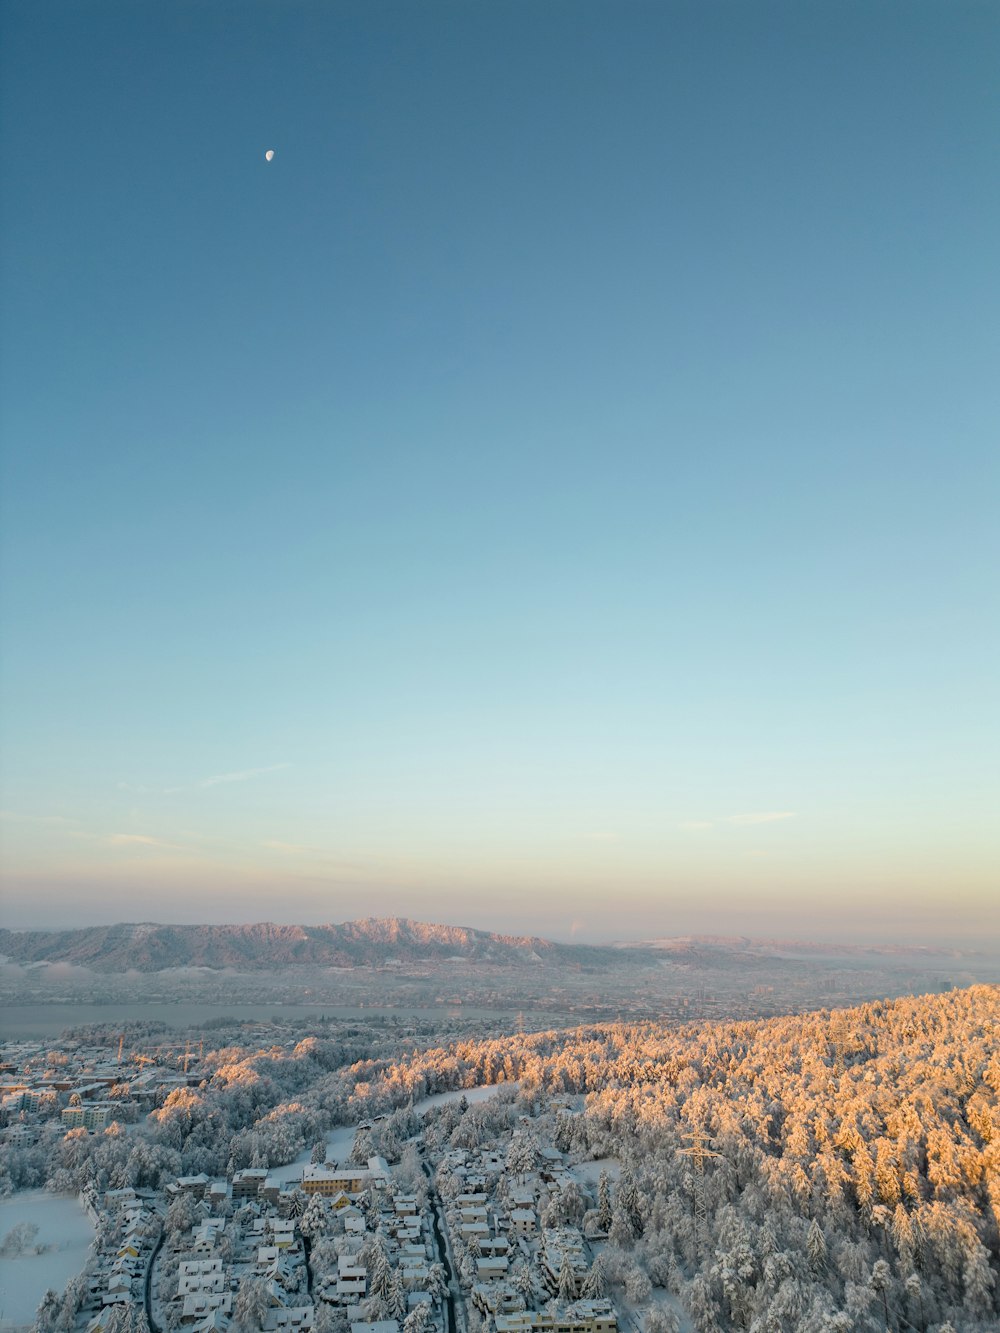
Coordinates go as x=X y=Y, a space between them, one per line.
x=838 y=1046
x=699 y=1152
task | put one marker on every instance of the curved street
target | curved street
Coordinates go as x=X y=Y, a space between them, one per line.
x=147 y=1293
x=441 y=1238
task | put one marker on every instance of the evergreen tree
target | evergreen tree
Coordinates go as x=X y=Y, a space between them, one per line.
x=252 y=1302
x=595 y=1283
x=379 y=1271
x=363 y=1148
x=312 y=1223
x=120 y=1320
x=396 y=1298
x=881 y=1278
x=418 y=1319
x=604 y=1208
x=627 y=1201
x=47 y=1312
x=567 y=1279
x=816 y=1247
x=524 y=1283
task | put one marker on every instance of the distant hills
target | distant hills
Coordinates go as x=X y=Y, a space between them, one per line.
x=384 y=942
x=265 y=946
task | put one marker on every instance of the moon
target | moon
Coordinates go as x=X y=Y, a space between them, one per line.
x=269 y=155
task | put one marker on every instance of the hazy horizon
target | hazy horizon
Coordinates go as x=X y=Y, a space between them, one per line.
x=577 y=932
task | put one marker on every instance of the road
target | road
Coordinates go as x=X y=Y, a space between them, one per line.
x=442 y=1246
x=147 y=1294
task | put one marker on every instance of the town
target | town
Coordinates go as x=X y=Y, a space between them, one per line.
x=832 y=1172
x=451 y=1216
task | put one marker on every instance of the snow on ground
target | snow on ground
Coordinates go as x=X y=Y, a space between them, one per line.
x=65 y=1232
x=471 y=1095
x=340 y=1141
x=590 y=1172
x=668 y=1301
x=633 y=1320
x=64 y=1235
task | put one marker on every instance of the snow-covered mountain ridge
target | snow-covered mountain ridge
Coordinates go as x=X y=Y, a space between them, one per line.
x=374 y=942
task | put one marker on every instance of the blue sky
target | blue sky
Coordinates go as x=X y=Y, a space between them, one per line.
x=557 y=493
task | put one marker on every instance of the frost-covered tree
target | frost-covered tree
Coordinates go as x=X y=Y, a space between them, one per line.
x=622 y=1232
x=816 y=1247
x=418 y=1319
x=251 y=1304
x=363 y=1148
x=638 y=1287
x=522 y=1155
x=47 y=1312
x=880 y=1282
x=395 y=1300
x=120 y=1319
x=330 y=1319
x=181 y=1216
x=604 y=1204
x=627 y=1201
x=595 y=1283
x=379 y=1271
x=567 y=1279
x=19 y=1239
x=701 y=1305
x=313 y=1221
x=661 y=1319
x=524 y=1282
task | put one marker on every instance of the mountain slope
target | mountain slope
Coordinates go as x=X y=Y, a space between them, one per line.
x=370 y=943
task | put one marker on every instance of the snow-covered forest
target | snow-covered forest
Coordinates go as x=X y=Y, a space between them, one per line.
x=827 y=1172
x=833 y=1171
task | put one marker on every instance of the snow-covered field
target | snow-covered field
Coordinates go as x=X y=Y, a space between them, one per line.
x=590 y=1172
x=471 y=1095
x=339 y=1142
x=64 y=1236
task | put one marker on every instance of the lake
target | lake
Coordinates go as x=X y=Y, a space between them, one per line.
x=32 y=1021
